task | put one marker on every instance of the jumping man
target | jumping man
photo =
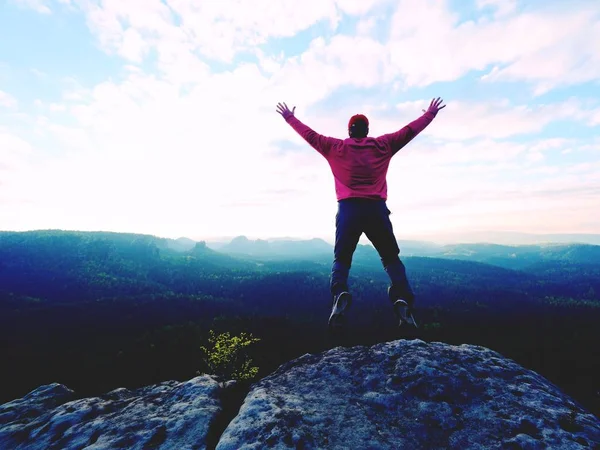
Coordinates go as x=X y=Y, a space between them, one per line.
x=359 y=165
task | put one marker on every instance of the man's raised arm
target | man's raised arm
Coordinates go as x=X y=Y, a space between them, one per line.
x=320 y=143
x=403 y=136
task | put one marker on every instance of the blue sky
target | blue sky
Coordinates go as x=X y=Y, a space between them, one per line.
x=159 y=116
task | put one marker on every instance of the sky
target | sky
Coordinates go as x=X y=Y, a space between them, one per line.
x=159 y=117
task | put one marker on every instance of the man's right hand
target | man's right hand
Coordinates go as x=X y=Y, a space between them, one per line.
x=434 y=106
x=283 y=109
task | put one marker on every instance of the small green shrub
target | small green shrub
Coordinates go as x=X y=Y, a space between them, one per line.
x=227 y=356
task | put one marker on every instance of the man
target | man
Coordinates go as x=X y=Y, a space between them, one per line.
x=359 y=165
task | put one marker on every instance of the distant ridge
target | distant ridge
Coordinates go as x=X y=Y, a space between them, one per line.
x=508 y=256
x=514 y=238
x=241 y=245
x=432 y=241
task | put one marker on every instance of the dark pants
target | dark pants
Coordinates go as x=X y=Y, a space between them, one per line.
x=355 y=217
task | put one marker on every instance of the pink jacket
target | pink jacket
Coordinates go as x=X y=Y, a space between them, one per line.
x=360 y=166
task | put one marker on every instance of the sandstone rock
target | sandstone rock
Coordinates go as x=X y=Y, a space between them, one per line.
x=408 y=394
x=396 y=395
x=169 y=415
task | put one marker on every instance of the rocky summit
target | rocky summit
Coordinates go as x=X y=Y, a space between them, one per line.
x=169 y=415
x=409 y=394
x=401 y=394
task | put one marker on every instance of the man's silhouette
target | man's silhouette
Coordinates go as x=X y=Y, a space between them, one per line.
x=359 y=165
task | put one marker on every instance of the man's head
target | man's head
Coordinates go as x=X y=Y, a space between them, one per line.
x=358 y=126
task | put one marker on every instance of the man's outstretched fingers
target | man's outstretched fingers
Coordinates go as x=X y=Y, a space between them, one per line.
x=282 y=108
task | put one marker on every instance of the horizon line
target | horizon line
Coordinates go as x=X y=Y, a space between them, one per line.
x=452 y=237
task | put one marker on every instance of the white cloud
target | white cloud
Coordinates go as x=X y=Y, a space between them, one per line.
x=550 y=144
x=501 y=7
x=7 y=100
x=12 y=150
x=358 y=7
x=269 y=64
x=325 y=67
x=38 y=73
x=217 y=30
x=14 y=164
x=485 y=126
x=535 y=157
x=595 y=118
x=40 y=6
x=139 y=142
x=514 y=193
x=366 y=26
x=184 y=33
x=462 y=120
x=547 y=47
x=133 y=46
x=566 y=53
x=177 y=149
x=70 y=138
x=583 y=167
x=57 y=107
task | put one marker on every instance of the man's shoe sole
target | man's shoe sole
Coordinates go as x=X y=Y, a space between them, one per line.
x=405 y=318
x=336 y=319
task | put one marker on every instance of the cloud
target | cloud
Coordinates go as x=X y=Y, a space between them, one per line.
x=57 y=107
x=216 y=30
x=187 y=35
x=142 y=153
x=325 y=67
x=566 y=53
x=38 y=73
x=501 y=7
x=40 y=6
x=7 y=100
x=185 y=140
x=518 y=195
x=14 y=168
x=366 y=26
x=358 y=7
x=133 y=46
x=13 y=150
x=496 y=120
x=69 y=137
x=595 y=118
x=547 y=47
x=465 y=120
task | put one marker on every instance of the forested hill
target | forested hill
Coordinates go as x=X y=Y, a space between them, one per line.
x=64 y=265
x=526 y=257
x=102 y=310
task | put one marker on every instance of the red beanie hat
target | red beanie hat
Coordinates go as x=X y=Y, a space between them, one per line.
x=358 y=118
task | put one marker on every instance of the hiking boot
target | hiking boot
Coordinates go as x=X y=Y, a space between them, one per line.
x=340 y=304
x=404 y=314
x=403 y=311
